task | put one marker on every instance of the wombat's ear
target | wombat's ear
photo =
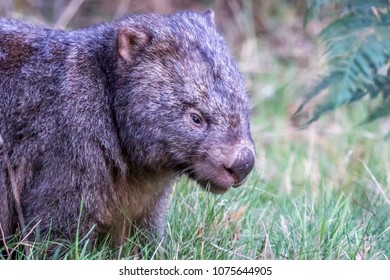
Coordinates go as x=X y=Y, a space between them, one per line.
x=209 y=15
x=130 y=41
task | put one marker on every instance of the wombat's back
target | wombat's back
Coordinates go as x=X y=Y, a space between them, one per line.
x=105 y=118
x=17 y=26
x=21 y=43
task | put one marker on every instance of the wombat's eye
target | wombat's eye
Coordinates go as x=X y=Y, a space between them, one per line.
x=196 y=119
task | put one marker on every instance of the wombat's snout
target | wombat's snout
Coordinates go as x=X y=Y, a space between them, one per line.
x=227 y=167
x=242 y=166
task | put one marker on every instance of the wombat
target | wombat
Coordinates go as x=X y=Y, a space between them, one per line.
x=97 y=124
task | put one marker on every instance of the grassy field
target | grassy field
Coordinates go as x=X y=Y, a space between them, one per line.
x=318 y=193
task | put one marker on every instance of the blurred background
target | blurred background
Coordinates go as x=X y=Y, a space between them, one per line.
x=304 y=178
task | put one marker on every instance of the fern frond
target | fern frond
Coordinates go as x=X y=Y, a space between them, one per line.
x=383 y=110
x=357 y=49
x=319 y=7
x=323 y=84
x=353 y=22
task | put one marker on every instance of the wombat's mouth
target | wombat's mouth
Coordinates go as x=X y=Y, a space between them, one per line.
x=236 y=185
x=216 y=184
x=214 y=188
x=219 y=176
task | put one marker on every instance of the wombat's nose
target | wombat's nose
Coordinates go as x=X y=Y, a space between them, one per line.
x=242 y=165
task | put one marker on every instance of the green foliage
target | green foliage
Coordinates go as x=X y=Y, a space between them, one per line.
x=357 y=47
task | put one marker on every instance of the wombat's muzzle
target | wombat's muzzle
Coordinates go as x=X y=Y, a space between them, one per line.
x=242 y=166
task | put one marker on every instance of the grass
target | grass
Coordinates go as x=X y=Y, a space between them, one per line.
x=318 y=193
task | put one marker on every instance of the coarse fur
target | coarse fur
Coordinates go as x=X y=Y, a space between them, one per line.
x=98 y=123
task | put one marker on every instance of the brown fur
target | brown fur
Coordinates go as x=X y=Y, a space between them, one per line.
x=105 y=119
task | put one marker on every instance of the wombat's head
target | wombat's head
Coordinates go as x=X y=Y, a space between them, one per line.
x=181 y=103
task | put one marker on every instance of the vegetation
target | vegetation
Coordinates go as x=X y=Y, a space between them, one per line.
x=317 y=193
x=357 y=48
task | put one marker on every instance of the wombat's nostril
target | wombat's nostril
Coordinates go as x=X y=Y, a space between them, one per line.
x=242 y=165
x=229 y=171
